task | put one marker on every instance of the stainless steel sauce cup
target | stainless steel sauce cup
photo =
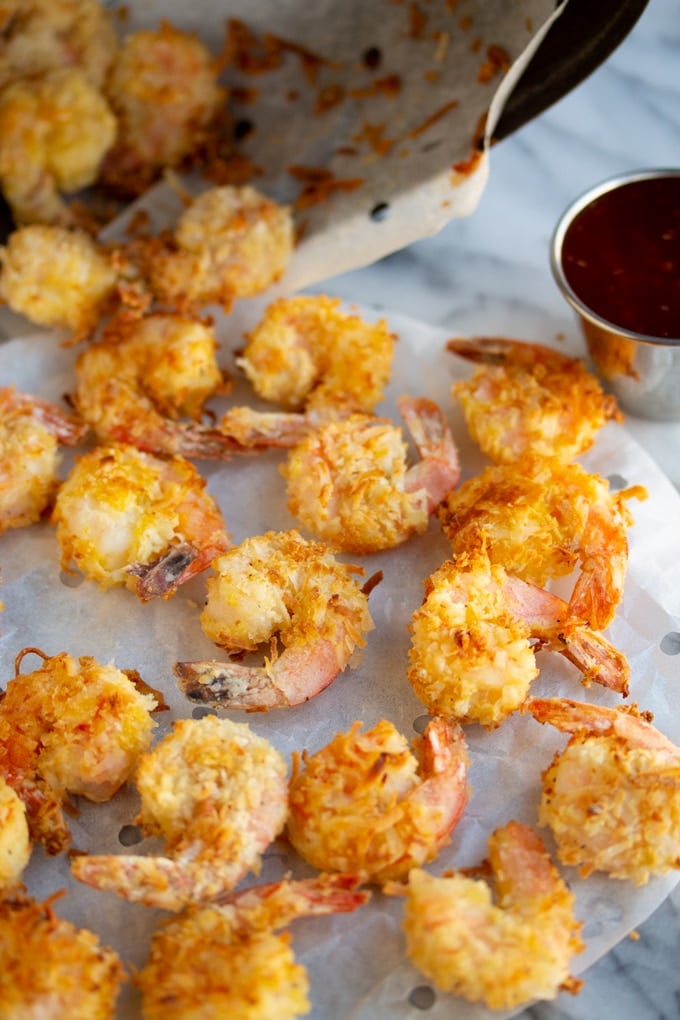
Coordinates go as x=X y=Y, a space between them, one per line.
x=642 y=370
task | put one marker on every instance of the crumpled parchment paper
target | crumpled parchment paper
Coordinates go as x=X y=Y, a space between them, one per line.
x=356 y=962
x=404 y=141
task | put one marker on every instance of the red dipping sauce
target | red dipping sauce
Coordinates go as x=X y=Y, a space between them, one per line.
x=621 y=256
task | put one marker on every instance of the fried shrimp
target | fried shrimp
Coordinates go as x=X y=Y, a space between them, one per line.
x=31 y=431
x=367 y=805
x=50 y=969
x=45 y=35
x=277 y=587
x=218 y=794
x=474 y=639
x=526 y=399
x=126 y=517
x=226 y=960
x=146 y=373
x=57 y=277
x=349 y=484
x=15 y=841
x=164 y=91
x=502 y=953
x=540 y=520
x=612 y=796
x=55 y=129
x=307 y=352
x=71 y=726
x=229 y=243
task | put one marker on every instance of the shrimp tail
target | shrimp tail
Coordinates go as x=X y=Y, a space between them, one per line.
x=251 y=431
x=283 y=902
x=228 y=685
x=162 y=577
x=497 y=350
x=172 y=438
x=439 y=470
x=598 y=660
x=154 y=881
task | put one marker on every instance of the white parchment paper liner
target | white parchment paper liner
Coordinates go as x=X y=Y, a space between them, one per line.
x=356 y=963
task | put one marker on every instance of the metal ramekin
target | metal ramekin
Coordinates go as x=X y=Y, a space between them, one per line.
x=643 y=372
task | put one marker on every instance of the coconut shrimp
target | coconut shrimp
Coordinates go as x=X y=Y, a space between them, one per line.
x=15 y=841
x=70 y=726
x=307 y=352
x=229 y=243
x=540 y=520
x=612 y=796
x=277 y=587
x=526 y=399
x=227 y=960
x=55 y=129
x=503 y=953
x=50 y=969
x=164 y=91
x=218 y=794
x=366 y=804
x=349 y=484
x=147 y=372
x=44 y=35
x=475 y=637
x=126 y=517
x=57 y=277
x=31 y=431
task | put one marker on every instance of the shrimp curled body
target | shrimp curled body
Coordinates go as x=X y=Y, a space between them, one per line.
x=502 y=953
x=528 y=400
x=612 y=796
x=71 y=726
x=126 y=517
x=349 y=484
x=227 y=959
x=366 y=805
x=218 y=794
x=277 y=584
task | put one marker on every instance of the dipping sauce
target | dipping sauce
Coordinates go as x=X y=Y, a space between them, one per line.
x=621 y=256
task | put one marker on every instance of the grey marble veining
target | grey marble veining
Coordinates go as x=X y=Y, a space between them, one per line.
x=489 y=273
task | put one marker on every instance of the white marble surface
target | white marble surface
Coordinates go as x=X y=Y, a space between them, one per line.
x=490 y=274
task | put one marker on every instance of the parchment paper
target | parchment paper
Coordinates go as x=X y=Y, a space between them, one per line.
x=356 y=963
x=412 y=156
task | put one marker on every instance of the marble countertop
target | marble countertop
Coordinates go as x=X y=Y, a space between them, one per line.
x=489 y=273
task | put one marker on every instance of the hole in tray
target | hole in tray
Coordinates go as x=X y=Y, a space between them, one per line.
x=617 y=482
x=200 y=713
x=422 y=997
x=380 y=211
x=420 y=723
x=130 y=835
x=670 y=643
x=71 y=580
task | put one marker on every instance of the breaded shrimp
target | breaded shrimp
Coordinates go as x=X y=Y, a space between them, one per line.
x=57 y=277
x=15 y=842
x=307 y=352
x=366 y=805
x=51 y=970
x=474 y=639
x=218 y=794
x=229 y=243
x=541 y=519
x=612 y=796
x=126 y=517
x=526 y=399
x=164 y=90
x=227 y=961
x=277 y=587
x=31 y=431
x=55 y=129
x=71 y=726
x=349 y=484
x=503 y=954
x=44 y=35
x=144 y=374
